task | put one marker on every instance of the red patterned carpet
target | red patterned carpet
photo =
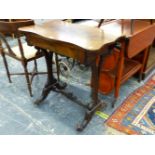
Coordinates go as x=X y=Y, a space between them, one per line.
x=136 y=115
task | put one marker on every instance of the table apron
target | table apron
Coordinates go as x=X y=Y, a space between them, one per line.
x=64 y=49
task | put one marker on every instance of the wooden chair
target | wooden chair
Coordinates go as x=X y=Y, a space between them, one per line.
x=22 y=52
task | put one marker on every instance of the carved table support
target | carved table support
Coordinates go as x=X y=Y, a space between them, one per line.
x=95 y=104
x=51 y=83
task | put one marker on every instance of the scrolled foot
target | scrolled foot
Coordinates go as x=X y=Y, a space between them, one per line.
x=48 y=87
x=43 y=96
x=39 y=101
x=87 y=118
x=81 y=126
x=61 y=85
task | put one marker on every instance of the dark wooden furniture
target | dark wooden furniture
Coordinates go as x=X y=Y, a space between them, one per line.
x=82 y=43
x=22 y=52
x=12 y=20
x=90 y=46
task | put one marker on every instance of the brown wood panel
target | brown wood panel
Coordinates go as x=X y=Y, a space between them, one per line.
x=141 y=40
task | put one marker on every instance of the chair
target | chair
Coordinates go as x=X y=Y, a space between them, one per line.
x=21 y=52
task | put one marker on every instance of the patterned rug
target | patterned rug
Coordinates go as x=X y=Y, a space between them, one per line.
x=137 y=113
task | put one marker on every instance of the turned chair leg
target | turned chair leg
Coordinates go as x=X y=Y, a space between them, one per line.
x=6 y=67
x=27 y=78
x=35 y=64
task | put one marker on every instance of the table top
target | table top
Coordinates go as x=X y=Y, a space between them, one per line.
x=84 y=36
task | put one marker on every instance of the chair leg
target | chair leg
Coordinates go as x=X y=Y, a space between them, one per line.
x=35 y=64
x=27 y=78
x=6 y=67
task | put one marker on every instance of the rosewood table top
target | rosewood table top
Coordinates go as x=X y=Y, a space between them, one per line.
x=88 y=38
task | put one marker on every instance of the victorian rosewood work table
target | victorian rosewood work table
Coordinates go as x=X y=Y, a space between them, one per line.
x=82 y=43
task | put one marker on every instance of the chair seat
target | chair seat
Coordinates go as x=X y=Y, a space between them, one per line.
x=29 y=51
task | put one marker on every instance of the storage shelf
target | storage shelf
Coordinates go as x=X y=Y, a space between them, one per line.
x=130 y=67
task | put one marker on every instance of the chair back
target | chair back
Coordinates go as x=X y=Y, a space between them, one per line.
x=12 y=27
